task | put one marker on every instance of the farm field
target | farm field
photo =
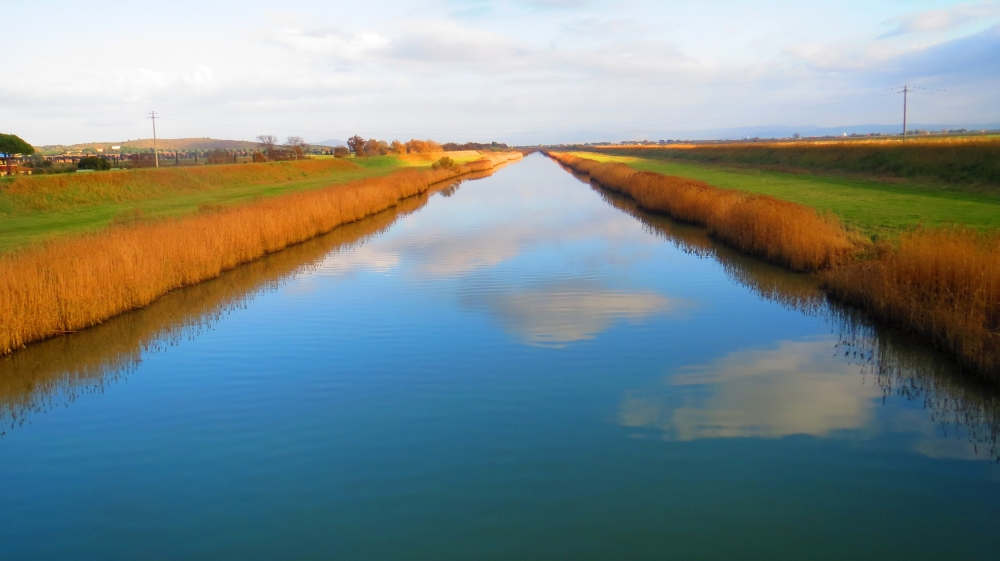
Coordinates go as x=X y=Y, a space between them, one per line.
x=875 y=208
x=34 y=209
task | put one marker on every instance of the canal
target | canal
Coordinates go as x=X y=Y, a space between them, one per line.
x=519 y=366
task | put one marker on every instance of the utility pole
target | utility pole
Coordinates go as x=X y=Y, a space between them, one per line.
x=906 y=90
x=156 y=157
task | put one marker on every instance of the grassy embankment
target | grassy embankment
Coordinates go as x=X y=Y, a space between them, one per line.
x=877 y=201
x=963 y=161
x=76 y=281
x=941 y=283
x=34 y=209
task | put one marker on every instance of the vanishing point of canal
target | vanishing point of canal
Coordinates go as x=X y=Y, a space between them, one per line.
x=517 y=367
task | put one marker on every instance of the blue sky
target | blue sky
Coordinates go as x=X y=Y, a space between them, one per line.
x=519 y=71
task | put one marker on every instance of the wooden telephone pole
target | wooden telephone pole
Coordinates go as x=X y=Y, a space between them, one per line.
x=156 y=157
x=906 y=90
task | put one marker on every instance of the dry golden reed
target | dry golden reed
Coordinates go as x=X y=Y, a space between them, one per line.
x=943 y=284
x=70 y=284
x=792 y=235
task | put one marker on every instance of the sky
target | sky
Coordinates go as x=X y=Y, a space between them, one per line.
x=515 y=71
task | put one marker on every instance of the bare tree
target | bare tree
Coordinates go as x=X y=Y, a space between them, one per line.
x=267 y=143
x=298 y=146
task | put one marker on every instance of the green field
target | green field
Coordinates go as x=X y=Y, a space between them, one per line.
x=22 y=225
x=875 y=208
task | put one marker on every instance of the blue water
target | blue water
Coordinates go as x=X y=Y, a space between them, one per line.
x=520 y=368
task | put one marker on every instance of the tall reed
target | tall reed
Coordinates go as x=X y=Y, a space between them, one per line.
x=792 y=235
x=70 y=284
x=943 y=284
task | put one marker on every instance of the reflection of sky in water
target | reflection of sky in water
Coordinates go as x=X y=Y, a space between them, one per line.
x=467 y=240
x=557 y=314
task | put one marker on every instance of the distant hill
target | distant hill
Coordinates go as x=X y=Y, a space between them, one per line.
x=331 y=143
x=161 y=143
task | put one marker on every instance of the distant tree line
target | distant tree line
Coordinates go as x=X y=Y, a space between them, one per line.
x=374 y=147
x=294 y=148
x=453 y=147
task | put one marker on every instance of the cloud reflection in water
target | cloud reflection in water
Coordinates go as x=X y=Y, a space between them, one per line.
x=800 y=387
x=797 y=388
x=557 y=314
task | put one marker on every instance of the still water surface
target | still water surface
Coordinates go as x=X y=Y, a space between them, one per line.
x=517 y=367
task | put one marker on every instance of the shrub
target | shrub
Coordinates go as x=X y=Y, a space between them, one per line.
x=219 y=156
x=444 y=163
x=94 y=163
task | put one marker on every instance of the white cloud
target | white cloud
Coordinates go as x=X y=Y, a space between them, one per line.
x=521 y=72
x=447 y=42
x=944 y=19
x=331 y=44
x=200 y=77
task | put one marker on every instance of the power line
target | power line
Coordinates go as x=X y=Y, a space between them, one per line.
x=906 y=91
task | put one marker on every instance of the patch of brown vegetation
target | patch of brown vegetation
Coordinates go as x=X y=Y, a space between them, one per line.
x=943 y=284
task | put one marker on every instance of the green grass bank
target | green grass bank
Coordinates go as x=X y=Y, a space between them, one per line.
x=874 y=208
x=37 y=209
x=965 y=161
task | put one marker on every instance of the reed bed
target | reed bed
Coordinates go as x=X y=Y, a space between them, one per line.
x=792 y=235
x=800 y=292
x=943 y=284
x=965 y=161
x=74 y=283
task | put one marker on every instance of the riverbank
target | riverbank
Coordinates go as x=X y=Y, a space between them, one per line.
x=875 y=209
x=42 y=208
x=75 y=282
x=942 y=284
x=972 y=161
